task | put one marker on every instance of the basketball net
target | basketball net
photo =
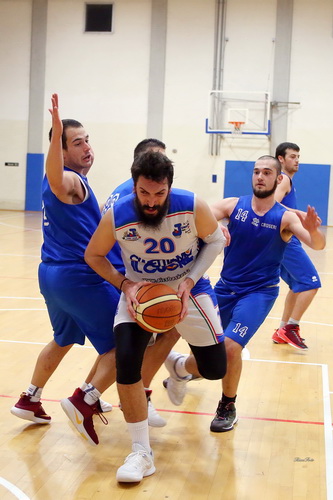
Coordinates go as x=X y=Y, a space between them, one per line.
x=237 y=128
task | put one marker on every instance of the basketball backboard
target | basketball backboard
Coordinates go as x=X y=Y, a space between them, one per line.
x=244 y=113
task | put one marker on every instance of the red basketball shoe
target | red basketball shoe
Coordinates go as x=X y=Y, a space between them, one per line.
x=30 y=410
x=276 y=339
x=81 y=415
x=290 y=334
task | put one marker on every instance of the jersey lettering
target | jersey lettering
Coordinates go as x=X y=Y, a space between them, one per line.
x=241 y=330
x=165 y=245
x=241 y=215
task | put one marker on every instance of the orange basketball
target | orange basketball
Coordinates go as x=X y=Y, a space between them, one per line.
x=159 y=308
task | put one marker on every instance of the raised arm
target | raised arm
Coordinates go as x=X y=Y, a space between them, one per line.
x=64 y=185
x=282 y=189
x=305 y=226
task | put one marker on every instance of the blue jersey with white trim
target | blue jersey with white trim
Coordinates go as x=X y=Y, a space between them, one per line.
x=67 y=228
x=122 y=190
x=253 y=258
x=290 y=199
x=163 y=255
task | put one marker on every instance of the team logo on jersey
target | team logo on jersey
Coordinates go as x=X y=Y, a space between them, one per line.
x=268 y=226
x=181 y=228
x=255 y=221
x=131 y=235
x=153 y=266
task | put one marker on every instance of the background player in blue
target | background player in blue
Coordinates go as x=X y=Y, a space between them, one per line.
x=79 y=302
x=248 y=287
x=154 y=358
x=158 y=229
x=297 y=269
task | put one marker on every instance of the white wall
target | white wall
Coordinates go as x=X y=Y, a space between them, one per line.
x=311 y=83
x=15 y=21
x=102 y=80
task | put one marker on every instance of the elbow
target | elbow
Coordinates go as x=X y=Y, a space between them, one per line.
x=87 y=257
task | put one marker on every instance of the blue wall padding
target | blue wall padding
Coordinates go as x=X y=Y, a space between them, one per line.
x=312 y=183
x=33 y=185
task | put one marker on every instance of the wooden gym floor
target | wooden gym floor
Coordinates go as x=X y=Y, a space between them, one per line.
x=281 y=447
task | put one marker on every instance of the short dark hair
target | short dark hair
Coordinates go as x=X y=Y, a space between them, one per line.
x=282 y=148
x=67 y=123
x=147 y=144
x=152 y=166
x=276 y=162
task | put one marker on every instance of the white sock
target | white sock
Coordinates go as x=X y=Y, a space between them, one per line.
x=139 y=432
x=91 y=395
x=34 y=392
x=84 y=386
x=282 y=324
x=293 y=321
x=180 y=367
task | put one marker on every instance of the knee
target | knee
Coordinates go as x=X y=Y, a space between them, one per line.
x=233 y=350
x=128 y=367
x=169 y=338
x=214 y=372
x=127 y=375
x=173 y=335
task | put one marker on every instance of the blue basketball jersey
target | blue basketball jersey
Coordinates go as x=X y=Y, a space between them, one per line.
x=290 y=199
x=67 y=228
x=253 y=258
x=297 y=269
x=122 y=190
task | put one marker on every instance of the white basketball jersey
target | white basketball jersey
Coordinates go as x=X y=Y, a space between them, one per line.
x=162 y=255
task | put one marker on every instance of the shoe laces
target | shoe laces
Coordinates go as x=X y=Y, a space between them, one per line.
x=223 y=409
x=98 y=411
x=295 y=331
x=136 y=456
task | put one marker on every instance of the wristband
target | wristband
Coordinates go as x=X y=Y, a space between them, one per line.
x=121 y=284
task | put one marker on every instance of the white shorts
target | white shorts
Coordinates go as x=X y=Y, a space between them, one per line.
x=202 y=325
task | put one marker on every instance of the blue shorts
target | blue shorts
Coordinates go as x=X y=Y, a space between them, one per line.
x=80 y=304
x=243 y=313
x=297 y=269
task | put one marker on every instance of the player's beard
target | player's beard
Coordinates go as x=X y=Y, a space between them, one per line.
x=264 y=194
x=148 y=220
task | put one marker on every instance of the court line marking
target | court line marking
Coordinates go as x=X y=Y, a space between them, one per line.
x=44 y=309
x=20 y=227
x=42 y=298
x=13 y=489
x=328 y=434
x=24 y=309
x=19 y=298
x=19 y=255
x=41 y=343
x=198 y=413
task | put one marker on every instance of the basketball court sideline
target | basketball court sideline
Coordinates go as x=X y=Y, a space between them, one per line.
x=281 y=446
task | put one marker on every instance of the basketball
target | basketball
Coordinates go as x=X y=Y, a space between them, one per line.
x=159 y=308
